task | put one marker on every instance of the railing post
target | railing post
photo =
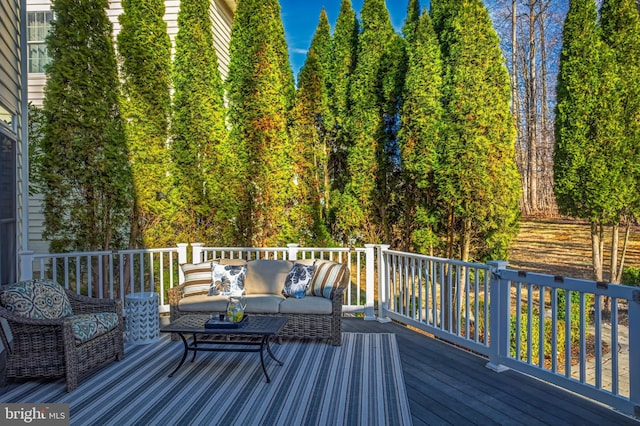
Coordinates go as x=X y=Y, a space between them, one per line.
x=498 y=317
x=182 y=258
x=369 y=252
x=26 y=266
x=196 y=252
x=293 y=252
x=634 y=351
x=383 y=288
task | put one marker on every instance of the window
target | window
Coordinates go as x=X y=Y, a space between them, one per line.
x=38 y=25
x=8 y=224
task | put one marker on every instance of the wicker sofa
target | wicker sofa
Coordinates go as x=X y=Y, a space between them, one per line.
x=312 y=316
x=49 y=331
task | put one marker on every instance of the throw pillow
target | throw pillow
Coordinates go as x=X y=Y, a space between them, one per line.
x=298 y=280
x=197 y=278
x=227 y=280
x=327 y=276
x=36 y=299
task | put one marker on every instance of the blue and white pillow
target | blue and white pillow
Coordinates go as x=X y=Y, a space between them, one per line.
x=298 y=280
x=227 y=280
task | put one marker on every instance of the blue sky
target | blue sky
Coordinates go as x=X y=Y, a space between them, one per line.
x=300 y=19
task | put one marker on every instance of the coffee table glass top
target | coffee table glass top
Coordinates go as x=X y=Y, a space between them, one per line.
x=255 y=324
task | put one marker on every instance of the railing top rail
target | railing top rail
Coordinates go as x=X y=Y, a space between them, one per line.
x=588 y=286
x=102 y=253
x=438 y=259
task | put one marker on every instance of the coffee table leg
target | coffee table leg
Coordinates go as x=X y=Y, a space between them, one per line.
x=271 y=353
x=184 y=355
x=262 y=345
x=195 y=347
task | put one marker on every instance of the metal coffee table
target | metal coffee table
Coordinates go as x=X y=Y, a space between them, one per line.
x=255 y=331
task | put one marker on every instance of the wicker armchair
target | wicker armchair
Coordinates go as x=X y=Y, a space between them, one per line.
x=49 y=348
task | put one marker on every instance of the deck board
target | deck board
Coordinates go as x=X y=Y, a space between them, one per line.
x=447 y=385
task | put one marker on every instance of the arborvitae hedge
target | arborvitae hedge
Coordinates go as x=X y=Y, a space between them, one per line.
x=477 y=177
x=85 y=163
x=145 y=56
x=259 y=90
x=311 y=136
x=198 y=130
x=357 y=216
x=421 y=133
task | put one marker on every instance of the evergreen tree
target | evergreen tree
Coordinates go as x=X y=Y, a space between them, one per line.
x=477 y=178
x=145 y=56
x=421 y=131
x=591 y=168
x=198 y=130
x=260 y=88
x=620 y=23
x=87 y=199
x=357 y=216
x=312 y=126
x=343 y=62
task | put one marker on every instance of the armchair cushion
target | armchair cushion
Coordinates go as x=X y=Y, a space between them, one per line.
x=36 y=299
x=88 y=326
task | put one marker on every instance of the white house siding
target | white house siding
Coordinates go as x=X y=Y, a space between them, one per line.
x=221 y=15
x=12 y=95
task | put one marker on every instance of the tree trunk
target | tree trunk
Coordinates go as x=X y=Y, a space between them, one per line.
x=532 y=112
x=596 y=250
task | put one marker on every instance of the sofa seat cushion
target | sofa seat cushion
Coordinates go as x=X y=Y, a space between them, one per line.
x=263 y=303
x=36 y=299
x=88 y=326
x=307 y=305
x=256 y=303
x=266 y=276
x=203 y=303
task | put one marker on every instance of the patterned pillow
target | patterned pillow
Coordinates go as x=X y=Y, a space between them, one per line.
x=197 y=278
x=36 y=299
x=298 y=280
x=227 y=279
x=327 y=276
x=87 y=326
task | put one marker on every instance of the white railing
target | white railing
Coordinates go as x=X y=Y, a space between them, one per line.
x=540 y=325
x=597 y=350
x=111 y=274
x=444 y=297
x=537 y=324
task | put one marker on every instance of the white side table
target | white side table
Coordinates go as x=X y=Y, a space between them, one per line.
x=143 y=318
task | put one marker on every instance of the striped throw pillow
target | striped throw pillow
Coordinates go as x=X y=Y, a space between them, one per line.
x=197 y=278
x=327 y=276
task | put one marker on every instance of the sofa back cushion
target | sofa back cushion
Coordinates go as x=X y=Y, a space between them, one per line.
x=266 y=276
x=328 y=275
x=197 y=278
x=36 y=299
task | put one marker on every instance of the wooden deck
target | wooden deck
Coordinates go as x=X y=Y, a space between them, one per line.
x=447 y=385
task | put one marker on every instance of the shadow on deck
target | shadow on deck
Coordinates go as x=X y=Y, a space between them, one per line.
x=448 y=385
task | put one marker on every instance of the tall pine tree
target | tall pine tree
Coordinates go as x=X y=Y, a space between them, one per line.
x=85 y=168
x=421 y=130
x=198 y=129
x=260 y=93
x=145 y=56
x=357 y=216
x=311 y=133
x=477 y=177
